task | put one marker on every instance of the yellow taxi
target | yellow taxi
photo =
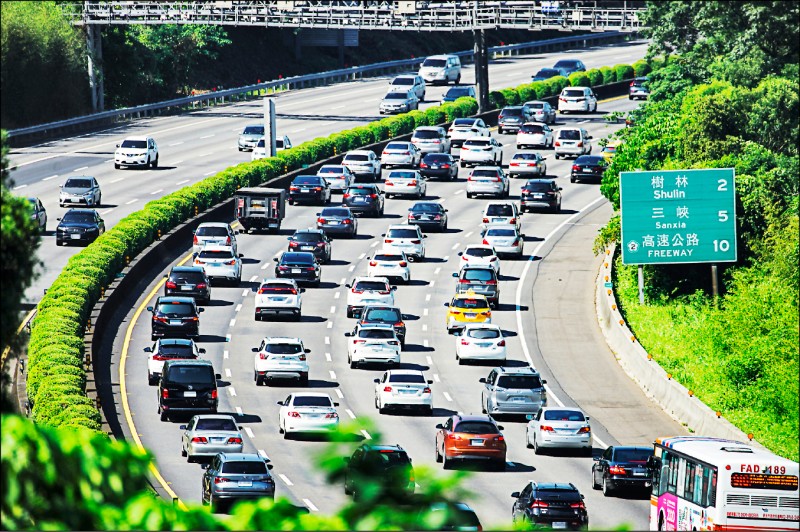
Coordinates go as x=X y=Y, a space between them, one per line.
x=465 y=308
x=610 y=150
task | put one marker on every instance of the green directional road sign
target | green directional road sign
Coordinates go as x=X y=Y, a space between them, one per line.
x=678 y=216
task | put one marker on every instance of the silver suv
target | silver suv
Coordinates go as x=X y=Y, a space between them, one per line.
x=481 y=279
x=513 y=391
x=231 y=477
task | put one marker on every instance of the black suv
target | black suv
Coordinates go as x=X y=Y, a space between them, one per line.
x=188 y=281
x=187 y=386
x=298 y=265
x=540 y=193
x=552 y=504
x=481 y=280
x=312 y=240
x=387 y=466
x=364 y=199
x=175 y=316
x=380 y=315
x=309 y=188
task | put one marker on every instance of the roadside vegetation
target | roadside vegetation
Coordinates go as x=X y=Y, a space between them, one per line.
x=726 y=97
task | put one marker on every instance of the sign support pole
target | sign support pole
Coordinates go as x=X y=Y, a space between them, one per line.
x=269 y=126
x=641 y=284
x=714 y=283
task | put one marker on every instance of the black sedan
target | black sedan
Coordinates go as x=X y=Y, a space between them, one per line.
x=311 y=189
x=364 y=199
x=428 y=215
x=79 y=226
x=312 y=240
x=540 y=193
x=298 y=265
x=622 y=467
x=439 y=165
x=337 y=221
x=588 y=167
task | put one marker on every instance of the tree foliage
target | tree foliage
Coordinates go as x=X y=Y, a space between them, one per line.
x=43 y=65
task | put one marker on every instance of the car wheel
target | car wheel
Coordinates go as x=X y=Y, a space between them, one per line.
x=528 y=440
x=151 y=380
x=437 y=455
x=183 y=451
x=116 y=166
x=304 y=381
x=500 y=162
x=557 y=156
x=99 y=200
x=536 y=448
x=556 y=208
x=446 y=464
x=154 y=164
x=164 y=415
x=572 y=179
x=462 y=164
x=500 y=130
x=352 y=363
x=189 y=458
x=458 y=79
x=280 y=428
x=500 y=465
x=606 y=488
x=347 y=491
x=469 y=195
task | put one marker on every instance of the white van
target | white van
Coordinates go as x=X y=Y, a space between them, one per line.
x=441 y=69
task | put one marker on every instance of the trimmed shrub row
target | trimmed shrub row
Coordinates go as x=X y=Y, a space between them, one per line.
x=553 y=86
x=56 y=376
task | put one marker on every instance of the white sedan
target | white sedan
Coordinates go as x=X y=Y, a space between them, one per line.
x=481 y=150
x=220 y=262
x=481 y=341
x=405 y=183
x=401 y=154
x=373 y=344
x=505 y=239
x=280 y=357
x=338 y=176
x=307 y=412
x=279 y=296
x=479 y=255
x=209 y=434
x=392 y=265
x=368 y=291
x=534 y=135
x=559 y=427
x=403 y=388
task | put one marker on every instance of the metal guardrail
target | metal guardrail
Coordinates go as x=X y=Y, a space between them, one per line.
x=299 y=82
x=370 y=15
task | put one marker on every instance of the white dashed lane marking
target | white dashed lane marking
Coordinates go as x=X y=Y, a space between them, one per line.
x=156 y=191
x=55 y=176
x=285 y=479
x=424 y=312
x=427 y=297
x=207 y=136
x=182 y=182
x=238 y=307
x=339 y=393
x=350 y=413
x=328 y=357
x=19 y=187
x=332 y=374
x=310 y=505
x=225 y=354
x=244 y=293
x=227 y=373
x=232 y=391
x=333 y=310
x=253 y=278
x=131 y=202
x=176 y=143
x=436 y=271
x=330 y=325
x=327 y=340
x=337 y=295
x=447 y=396
x=81 y=169
x=117 y=180
x=436 y=377
x=233 y=322
x=249 y=432
x=239 y=411
x=366 y=434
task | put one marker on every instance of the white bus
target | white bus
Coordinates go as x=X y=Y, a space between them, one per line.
x=704 y=483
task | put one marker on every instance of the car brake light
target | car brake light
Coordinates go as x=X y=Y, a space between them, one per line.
x=426 y=390
x=231 y=262
x=160 y=319
x=384 y=153
x=387 y=389
x=347 y=222
x=321 y=220
x=578 y=505
x=384 y=292
x=399 y=324
x=234 y=440
x=491 y=281
x=406 y=153
x=546 y=428
x=486 y=220
x=631 y=84
x=345 y=195
x=403 y=264
x=294 y=189
x=501 y=343
x=220 y=480
x=539 y=504
x=301 y=357
x=515 y=242
x=388 y=241
x=423 y=164
x=580 y=144
x=558 y=143
x=412 y=183
x=464 y=341
x=493 y=259
x=584 y=430
x=320 y=244
x=171 y=284
x=165 y=394
x=496 y=179
x=485 y=242
x=214 y=394
x=616 y=470
x=356 y=291
x=416 y=242
x=262 y=356
x=464 y=257
x=513 y=164
x=310 y=269
x=332 y=415
x=500 y=438
x=198 y=261
x=199 y=439
x=513 y=221
x=393 y=342
x=283 y=268
x=293 y=414
x=359 y=341
x=373 y=263
x=228 y=241
x=373 y=196
x=463 y=281
x=317 y=189
x=388 y=183
x=293 y=244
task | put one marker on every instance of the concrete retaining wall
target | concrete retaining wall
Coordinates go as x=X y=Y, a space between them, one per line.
x=674 y=398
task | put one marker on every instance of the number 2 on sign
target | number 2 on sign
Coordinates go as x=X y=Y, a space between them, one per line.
x=722 y=185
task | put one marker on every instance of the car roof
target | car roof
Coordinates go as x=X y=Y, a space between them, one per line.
x=282 y=339
x=554 y=485
x=477 y=266
x=214 y=224
x=382 y=447
x=413 y=76
x=174 y=299
x=441 y=56
x=278 y=280
x=534 y=123
x=402 y=226
x=478 y=137
x=136 y=137
x=483 y=326
x=298 y=254
x=217 y=247
x=475 y=417
x=573 y=408
x=79 y=177
x=498 y=203
x=487 y=167
x=576 y=87
x=429 y=128
x=470 y=295
x=214 y=416
x=501 y=226
x=523 y=370
x=358 y=279
x=404 y=372
x=540 y=180
x=189 y=362
x=479 y=246
x=358 y=152
x=309 y=230
x=187 y=269
x=311 y=394
x=535 y=101
x=242 y=457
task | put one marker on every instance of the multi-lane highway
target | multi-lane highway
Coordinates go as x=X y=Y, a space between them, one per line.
x=546 y=302
x=195 y=145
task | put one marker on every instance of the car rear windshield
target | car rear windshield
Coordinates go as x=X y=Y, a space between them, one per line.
x=437 y=158
x=525 y=157
x=187 y=277
x=253 y=130
x=396 y=96
x=632 y=455
x=402 y=174
x=397 y=146
x=306 y=237
x=333 y=211
x=350 y=157
x=212 y=231
x=216 y=254
x=332 y=170
x=496 y=231
x=434 y=63
x=81 y=217
x=78 y=183
x=566 y=63
x=216 y=424
x=136 y=144
x=548 y=72
x=484 y=173
x=244 y=468
x=538 y=186
x=511 y=111
x=182 y=309
x=590 y=159
x=484 y=334
x=386 y=457
x=360 y=191
x=385 y=315
x=403 y=81
x=479 y=252
x=573 y=93
x=469 y=303
x=558 y=494
x=427 y=207
x=298 y=258
x=426 y=134
x=312 y=400
x=535 y=105
x=479 y=143
x=378 y=334
x=405 y=377
x=569 y=134
x=262 y=143
x=192 y=375
x=469 y=122
x=477 y=427
x=283 y=349
x=532 y=128
x=500 y=210
x=519 y=382
x=389 y=258
x=176 y=350
x=306 y=180
x=371 y=285
x=478 y=274
x=564 y=415
x=457 y=93
x=402 y=233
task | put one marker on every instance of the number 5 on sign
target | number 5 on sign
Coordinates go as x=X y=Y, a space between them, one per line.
x=723 y=216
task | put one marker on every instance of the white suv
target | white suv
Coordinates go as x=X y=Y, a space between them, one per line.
x=406 y=238
x=279 y=296
x=572 y=141
x=373 y=344
x=481 y=150
x=463 y=128
x=441 y=69
x=407 y=83
x=363 y=163
x=214 y=233
x=136 y=151
x=501 y=212
x=280 y=358
x=368 y=291
x=580 y=99
x=220 y=262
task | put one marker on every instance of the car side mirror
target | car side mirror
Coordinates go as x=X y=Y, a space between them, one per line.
x=587 y=418
x=596 y=458
x=348 y=334
x=280 y=403
x=424 y=236
x=201 y=350
x=335 y=404
x=217 y=375
x=383 y=234
x=301 y=290
x=182 y=427
x=270 y=466
x=430 y=381
x=500 y=427
x=560 y=188
x=148 y=349
x=59 y=219
x=275 y=259
x=204 y=466
x=254 y=349
x=239 y=427
x=590 y=137
x=460 y=253
x=447 y=210
x=439 y=426
x=499 y=143
x=241 y=255
x=316 y=214
x=348 y=285
x=201 y=309
x=482 y=379
x=149 y=309
x=393 y=288
x=446 y=304
x=376 y=381
x=455 y=274
x=289 y=238
x=515 y=494
x=529 y=417
x=544 y=381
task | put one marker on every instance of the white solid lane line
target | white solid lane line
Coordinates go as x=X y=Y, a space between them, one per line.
x=131 y=202
x=350 y=413
x=285 y=479
x=310 y=505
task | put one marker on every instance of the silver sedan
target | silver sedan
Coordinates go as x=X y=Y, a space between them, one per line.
x=505 y=239
x=210 y=434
